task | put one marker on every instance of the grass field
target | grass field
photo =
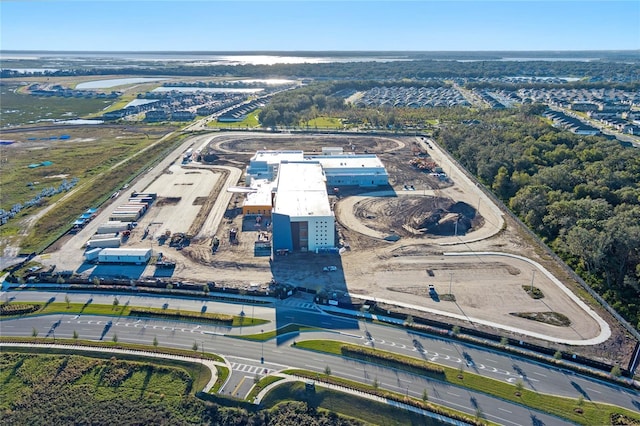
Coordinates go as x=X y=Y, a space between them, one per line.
x=97 y=182
x=577 y=410
x=249 y=122
x=324 y=123
x=72 y=389
x=19 y=109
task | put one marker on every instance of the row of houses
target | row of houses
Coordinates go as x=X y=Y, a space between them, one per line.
x=412 y=97
x=572 y=124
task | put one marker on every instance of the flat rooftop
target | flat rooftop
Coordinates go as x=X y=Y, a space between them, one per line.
x=275 y=157
x=365 y=161
x=124 y=252
x=302 y=190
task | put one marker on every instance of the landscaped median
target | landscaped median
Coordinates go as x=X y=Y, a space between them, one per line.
x=579 y=410
x=21 y=309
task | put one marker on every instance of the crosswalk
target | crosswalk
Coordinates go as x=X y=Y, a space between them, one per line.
x=300 y=304
x=250 y=369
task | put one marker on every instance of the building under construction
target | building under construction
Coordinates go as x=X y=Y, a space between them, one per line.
x=291 y=188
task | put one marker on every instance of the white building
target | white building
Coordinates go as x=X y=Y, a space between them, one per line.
x=302 y=218
x=264 y=164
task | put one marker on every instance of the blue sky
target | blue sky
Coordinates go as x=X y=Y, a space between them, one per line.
x=319 y=25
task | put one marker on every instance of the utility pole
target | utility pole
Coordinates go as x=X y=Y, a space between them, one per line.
x=533 y=275
x=450 y=281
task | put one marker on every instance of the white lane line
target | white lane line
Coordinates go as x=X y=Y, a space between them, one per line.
x=539 y=374
x=453 y=394
x=490 y=360
x=593 y=390
x=505 y=410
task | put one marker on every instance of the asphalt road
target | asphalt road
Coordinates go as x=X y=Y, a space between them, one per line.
x=245 y=357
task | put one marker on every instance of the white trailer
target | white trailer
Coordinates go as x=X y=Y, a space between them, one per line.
x=91 y=255
x=113 y=227
x=106 y=243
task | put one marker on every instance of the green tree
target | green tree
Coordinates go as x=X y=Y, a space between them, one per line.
x=425 y=395
x=75 y=335
x=115 y=303
x=502 y=184
x=194 y=347
x=67 y=301
x=34 y=332
x=155 y=342
x=327 y=370
x=115 y=338
x=616 y=371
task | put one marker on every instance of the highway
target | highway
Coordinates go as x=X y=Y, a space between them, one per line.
x=244 y=357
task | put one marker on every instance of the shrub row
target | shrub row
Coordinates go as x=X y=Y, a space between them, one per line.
x=390 y=359
x=18 y=309
x=216 y=318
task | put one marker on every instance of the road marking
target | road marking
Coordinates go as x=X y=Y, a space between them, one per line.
x=491 y=360
x=593 y=390
x=505 y=410
x=238 y=387
x=539 y=374
x=453 y=394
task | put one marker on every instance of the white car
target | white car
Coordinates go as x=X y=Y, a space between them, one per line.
x=330 y=268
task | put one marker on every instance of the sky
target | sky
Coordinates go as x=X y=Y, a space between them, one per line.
x=371 y=25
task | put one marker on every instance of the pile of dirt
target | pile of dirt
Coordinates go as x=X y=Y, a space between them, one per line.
x=411 y=216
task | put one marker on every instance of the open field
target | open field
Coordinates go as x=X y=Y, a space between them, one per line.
x=19 y=109
x=109 y=158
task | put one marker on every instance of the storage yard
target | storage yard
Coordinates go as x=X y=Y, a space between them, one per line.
x=391 y=241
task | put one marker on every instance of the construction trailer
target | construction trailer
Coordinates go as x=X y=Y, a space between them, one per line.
x=125 y=256
x=91 y=255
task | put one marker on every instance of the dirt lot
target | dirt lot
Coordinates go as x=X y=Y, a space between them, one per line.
x=399 y=240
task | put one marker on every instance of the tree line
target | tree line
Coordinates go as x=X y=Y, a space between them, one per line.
x=600 y=70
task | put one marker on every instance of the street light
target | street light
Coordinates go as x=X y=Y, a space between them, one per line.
x=262 y=348
x=450 y=281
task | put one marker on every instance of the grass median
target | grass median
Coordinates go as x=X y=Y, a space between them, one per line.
x=124 y=310
x=578 y=410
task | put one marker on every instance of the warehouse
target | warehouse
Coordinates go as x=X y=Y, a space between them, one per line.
x=124 y=255
x=302 y=218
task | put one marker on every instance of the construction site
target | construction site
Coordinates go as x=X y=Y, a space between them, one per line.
x=430 y=242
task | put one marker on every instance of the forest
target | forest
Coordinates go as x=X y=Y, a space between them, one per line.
x=579 y=194
x=599 y=70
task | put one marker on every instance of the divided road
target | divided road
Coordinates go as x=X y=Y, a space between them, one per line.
x=244 y=357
